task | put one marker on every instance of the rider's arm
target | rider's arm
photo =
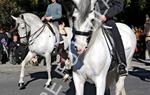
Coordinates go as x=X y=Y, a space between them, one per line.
x=48 y=12
x=115 y=8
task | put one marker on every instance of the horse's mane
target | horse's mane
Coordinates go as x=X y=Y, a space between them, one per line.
x=96 y=32
x=84 y=8
x=32 y=18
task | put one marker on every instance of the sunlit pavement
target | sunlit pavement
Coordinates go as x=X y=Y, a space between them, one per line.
x=137 y=83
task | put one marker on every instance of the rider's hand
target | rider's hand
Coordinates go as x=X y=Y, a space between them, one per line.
x=43 y=18
x=103 y=18
x=48 y=18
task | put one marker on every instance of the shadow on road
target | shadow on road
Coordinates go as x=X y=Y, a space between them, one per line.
x=42 y=75
x=141 y=73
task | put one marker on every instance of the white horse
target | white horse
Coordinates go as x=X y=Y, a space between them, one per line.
x=96 y=59
x=39 y=38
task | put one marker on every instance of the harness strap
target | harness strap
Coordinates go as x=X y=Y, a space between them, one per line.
x=29 y=42
x=82 y=33
x=50 y=27
x=114 y=49
x=106 y=35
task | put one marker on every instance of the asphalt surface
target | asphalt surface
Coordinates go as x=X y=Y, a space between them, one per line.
x=137 y=83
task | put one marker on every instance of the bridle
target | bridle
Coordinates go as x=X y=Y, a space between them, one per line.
x=28 y=32
x=81 y=33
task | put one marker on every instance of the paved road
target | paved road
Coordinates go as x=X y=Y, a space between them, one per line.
x=137 y=83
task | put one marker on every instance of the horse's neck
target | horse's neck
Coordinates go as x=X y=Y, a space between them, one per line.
x=35 y=27
x=96 y=37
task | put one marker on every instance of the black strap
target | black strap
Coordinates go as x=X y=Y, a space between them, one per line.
x=49 y=26
x=106 y=34
x=82 y=33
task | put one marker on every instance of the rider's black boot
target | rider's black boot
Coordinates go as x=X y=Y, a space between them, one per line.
x=119 y=48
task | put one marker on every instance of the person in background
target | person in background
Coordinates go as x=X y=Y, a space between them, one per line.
x=18 y=50
x=14 y=44
x=3 y=44
x=53 y=12
x=147 y=38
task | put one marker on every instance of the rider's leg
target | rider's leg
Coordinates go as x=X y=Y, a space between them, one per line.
x=119 y=47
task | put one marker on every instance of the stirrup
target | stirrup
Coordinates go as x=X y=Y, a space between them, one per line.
x=122 y=71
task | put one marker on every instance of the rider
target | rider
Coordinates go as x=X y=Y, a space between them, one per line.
x=53 y=12
x=115 y=7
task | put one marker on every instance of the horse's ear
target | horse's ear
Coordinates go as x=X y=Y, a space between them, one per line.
x=15 y=18
x=22 y=17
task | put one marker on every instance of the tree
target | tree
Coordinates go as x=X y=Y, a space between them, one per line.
x=8 y=8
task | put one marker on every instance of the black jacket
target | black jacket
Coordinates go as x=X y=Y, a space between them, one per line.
x=116 y=6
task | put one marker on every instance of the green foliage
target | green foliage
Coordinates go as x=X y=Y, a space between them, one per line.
x=127 y=3
x=8 y=8
x=142 y=4
x=16 y=7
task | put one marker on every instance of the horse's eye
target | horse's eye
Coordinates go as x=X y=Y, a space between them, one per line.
x=23 y=27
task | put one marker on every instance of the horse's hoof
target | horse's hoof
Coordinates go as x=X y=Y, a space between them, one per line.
x=48 y=86
x=21 y=86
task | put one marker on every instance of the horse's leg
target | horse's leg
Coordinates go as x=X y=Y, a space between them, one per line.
x=100 y=85
x=120 y=90
x=27 y=59
x=123 y=92
x=48 y=65
x=79 y=83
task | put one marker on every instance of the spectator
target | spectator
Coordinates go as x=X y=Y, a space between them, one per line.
x=3 y=44
x=17 y=50
x=147 y=38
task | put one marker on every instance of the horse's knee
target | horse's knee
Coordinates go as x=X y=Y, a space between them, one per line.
x=48 y=68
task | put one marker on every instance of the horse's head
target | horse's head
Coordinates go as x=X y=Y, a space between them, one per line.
x=82 y=30
x=22 y=27
x=82 y=23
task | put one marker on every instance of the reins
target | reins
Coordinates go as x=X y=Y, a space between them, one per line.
x=32 y=35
